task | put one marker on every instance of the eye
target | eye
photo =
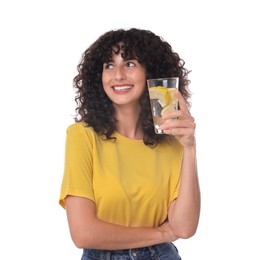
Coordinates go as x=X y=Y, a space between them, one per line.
x=130 y=64
x=108 y=66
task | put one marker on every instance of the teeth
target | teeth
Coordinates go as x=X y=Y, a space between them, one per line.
x=119 y=88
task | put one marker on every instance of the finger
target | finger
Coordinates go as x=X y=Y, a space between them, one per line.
x=178 y=114
x=170 y=124
x=172 y=115
x=182 y=102
x=187 y=132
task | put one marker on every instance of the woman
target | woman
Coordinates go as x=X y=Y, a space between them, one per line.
x=128 y=192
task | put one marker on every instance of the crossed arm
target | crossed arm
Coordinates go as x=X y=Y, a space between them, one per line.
x=87 y=231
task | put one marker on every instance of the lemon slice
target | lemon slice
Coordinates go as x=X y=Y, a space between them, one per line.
x=174 y=99
x=173 y=102
x=169 y=108
x=160 y=93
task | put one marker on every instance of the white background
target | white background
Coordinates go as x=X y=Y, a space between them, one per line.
x=41 y=44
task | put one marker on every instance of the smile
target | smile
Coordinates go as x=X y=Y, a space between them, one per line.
x=122 y=88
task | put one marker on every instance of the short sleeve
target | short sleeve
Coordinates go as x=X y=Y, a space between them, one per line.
x=77 y=178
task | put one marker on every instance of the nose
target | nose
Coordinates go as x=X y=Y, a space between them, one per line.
x=120 y=74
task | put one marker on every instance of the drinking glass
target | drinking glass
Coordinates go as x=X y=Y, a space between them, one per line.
x=162 y=98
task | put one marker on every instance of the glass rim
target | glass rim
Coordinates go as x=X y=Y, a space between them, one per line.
x=163 y=78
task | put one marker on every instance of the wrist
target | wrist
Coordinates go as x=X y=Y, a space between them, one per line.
x=189 y=148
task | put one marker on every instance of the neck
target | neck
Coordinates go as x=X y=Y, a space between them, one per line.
x=128 y=123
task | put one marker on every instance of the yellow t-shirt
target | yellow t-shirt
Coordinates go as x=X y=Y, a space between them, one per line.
x=131 y=184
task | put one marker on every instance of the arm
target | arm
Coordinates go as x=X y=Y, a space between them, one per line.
x=89 y=232
x=184 y=212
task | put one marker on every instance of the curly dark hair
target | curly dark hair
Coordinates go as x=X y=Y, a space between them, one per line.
x=93 y=105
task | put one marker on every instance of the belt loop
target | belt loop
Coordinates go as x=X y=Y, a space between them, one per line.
x=108 y=255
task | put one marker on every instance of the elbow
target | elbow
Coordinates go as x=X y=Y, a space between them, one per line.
x=184 y=229
x=82 y=241
x=186 y=235
x=79 y=244
x=185 y=232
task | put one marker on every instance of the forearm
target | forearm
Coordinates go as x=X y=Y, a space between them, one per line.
x=184 y=213
x=87 y=231
x=103 y=235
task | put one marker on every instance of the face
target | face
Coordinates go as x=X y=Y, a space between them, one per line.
x=124 y=81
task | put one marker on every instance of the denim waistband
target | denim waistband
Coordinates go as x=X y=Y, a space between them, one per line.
x=150 y=252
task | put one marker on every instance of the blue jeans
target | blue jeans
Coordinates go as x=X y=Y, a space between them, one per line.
x=165 y=251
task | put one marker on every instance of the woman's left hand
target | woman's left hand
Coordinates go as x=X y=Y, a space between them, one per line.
x=180 y=123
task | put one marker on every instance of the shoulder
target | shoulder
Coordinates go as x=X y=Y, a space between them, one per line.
x=80 y=130
x=79 y=127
